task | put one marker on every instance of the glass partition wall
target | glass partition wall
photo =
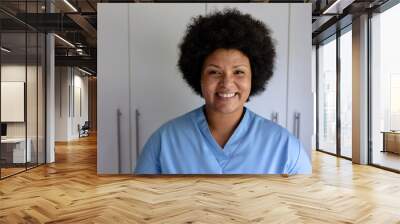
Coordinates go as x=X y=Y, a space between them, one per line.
x=334 y=103
x=22 y=78
x=13 y=111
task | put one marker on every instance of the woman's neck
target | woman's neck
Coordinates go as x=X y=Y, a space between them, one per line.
x=222 y=125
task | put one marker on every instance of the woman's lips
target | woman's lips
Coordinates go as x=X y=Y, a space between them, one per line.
x=227 y=96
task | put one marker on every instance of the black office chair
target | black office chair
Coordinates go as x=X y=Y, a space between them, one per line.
x=84 y=130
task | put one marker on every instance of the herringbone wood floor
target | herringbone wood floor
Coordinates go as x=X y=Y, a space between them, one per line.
x=70 y=191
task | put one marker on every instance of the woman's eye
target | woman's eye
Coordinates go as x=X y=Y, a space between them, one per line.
x=213 y=72
x=238 y=72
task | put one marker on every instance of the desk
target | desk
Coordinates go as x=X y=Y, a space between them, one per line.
x=391 y=141
x=15 y=148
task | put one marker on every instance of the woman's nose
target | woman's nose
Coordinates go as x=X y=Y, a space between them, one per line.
x=227 y=78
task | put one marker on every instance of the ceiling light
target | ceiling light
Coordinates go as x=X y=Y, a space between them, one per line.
x=70 y=5
x=65 y=41
x=338 y=6
x=86 y=72
x=5 y=50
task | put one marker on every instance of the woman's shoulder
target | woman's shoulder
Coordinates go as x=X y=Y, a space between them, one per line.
x=272 y=132
x=263 y=124
x=181 y=122
x=284 y=143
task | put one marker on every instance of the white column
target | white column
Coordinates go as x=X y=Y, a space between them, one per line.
x=360 y=90
x=50 y=99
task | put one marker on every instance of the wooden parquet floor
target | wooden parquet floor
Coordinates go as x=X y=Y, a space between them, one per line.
x=70 y=191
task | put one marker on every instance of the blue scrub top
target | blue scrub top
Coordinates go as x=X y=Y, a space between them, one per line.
x=185 y=145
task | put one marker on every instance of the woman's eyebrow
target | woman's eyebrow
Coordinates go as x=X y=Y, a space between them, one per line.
x=241 y=65
x=213 y=65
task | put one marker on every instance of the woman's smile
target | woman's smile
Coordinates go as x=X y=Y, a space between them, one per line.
x=227 y=96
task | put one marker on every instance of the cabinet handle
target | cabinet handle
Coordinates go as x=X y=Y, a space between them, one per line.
x=137 y=116
x=296 y=125
x=274 y=117
x=119 y=139
x=69 y=101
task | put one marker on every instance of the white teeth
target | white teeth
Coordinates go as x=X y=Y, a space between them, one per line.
x=226 y=95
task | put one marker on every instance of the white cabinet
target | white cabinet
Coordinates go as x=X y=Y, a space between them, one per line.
x=113 y=90
x=160 y=93
x=137 y=72
x=300 y=102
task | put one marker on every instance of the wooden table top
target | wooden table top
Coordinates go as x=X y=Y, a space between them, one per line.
x=70 y=191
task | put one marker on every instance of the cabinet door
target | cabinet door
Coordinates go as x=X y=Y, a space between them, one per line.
x=160 y=93
x=273 y=100
x=301 y=96
x=113 y=89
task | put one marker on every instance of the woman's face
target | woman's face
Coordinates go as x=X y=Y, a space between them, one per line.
x=226 y=80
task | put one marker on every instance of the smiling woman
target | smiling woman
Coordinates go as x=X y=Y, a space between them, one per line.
x=225 y=57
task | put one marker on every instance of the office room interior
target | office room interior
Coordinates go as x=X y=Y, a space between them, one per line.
x=85 y=84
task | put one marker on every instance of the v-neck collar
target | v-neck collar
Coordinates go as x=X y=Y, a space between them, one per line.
x=222 y=154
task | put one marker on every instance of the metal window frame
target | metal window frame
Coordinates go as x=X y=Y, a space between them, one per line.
x=334 y=37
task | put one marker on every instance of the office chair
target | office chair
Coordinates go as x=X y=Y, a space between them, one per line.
x=84 y=130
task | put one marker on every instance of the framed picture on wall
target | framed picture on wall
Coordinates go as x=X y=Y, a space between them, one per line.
x=12 y=101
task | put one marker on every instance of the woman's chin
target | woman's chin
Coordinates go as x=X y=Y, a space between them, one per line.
x=227 y=109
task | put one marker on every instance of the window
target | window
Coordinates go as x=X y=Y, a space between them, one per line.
x=346 y=93
x=385 y=88
x=327 y=96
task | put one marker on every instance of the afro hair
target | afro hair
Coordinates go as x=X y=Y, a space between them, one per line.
x=227 y=29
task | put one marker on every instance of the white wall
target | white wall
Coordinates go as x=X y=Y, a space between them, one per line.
x=80 y=84
x=68 y=81
x=61 y=103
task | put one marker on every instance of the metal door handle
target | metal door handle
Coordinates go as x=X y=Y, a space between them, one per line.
x=119 y=140
x=296 y=125
x=137 y=116
x=274 y=117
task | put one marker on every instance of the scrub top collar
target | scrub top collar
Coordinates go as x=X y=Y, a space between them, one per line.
x=223 y=155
